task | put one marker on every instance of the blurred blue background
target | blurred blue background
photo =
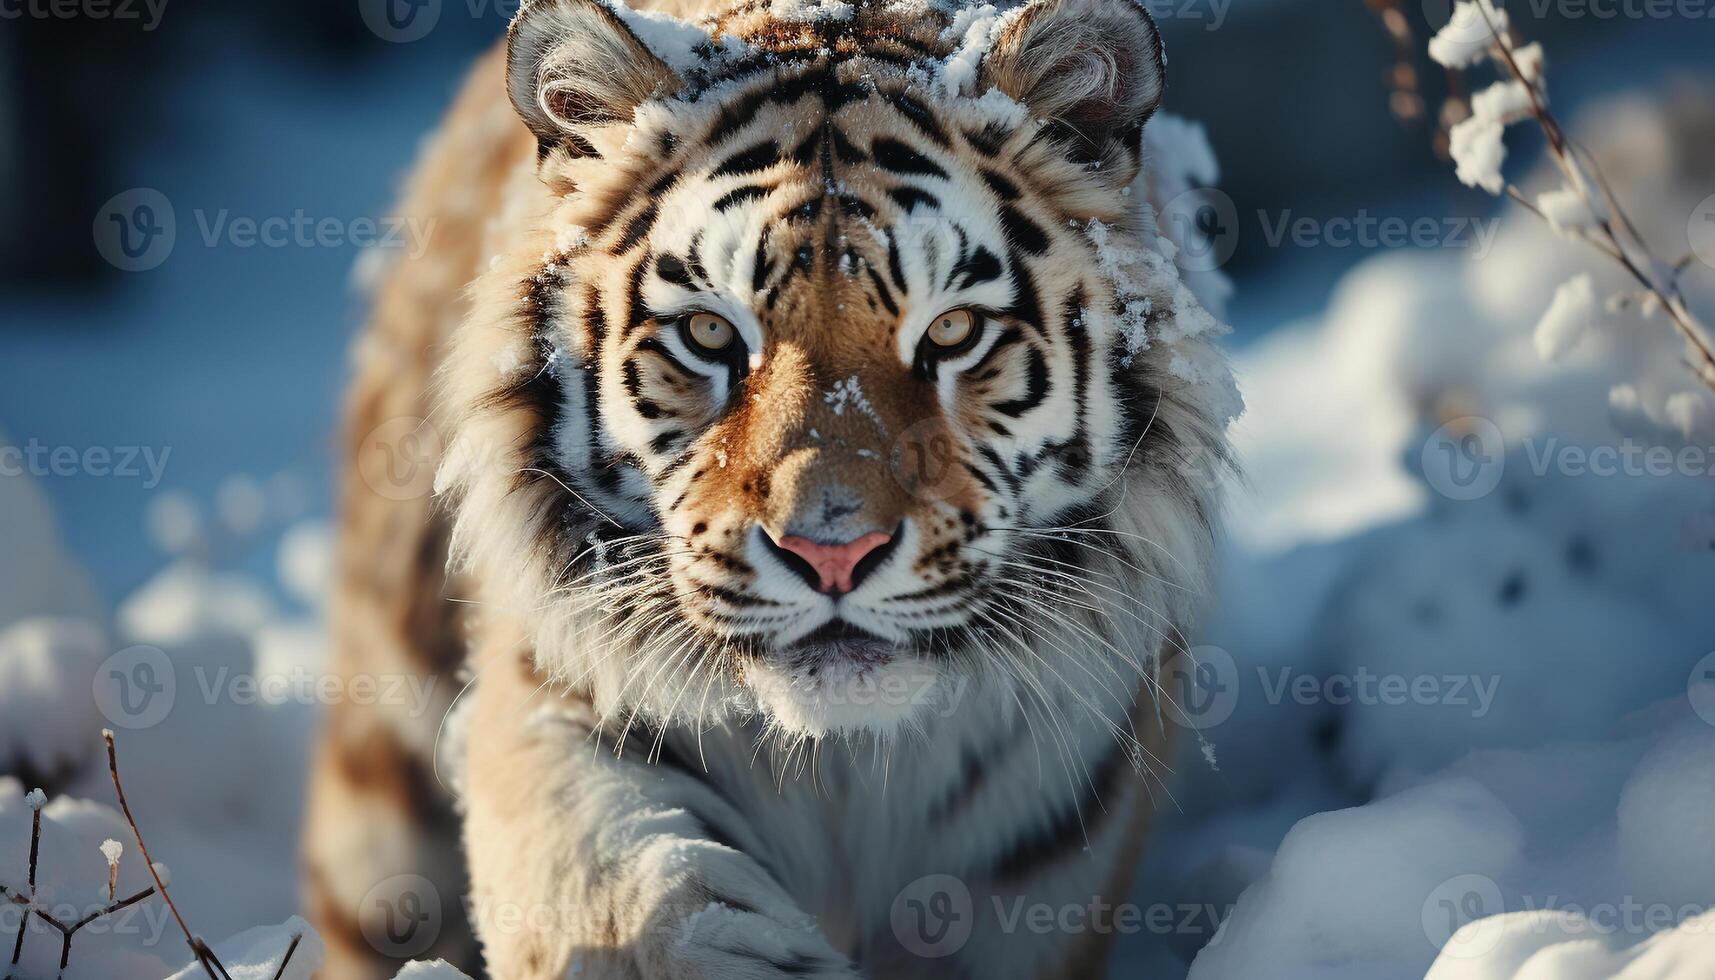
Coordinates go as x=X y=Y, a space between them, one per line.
x=232 y=358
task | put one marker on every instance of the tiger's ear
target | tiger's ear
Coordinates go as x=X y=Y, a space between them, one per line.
x=1094 y=66
x=574 y=63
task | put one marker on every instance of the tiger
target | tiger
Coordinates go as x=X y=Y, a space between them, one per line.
x=794 y=450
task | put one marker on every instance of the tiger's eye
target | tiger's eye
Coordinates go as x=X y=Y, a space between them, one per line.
x=952 y=328
x=710 y=332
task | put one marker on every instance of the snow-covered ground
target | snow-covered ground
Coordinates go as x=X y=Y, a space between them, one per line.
x=1461 y=694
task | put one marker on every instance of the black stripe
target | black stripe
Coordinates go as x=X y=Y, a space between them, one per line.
x=1008 y=338
x=805 y=153
x=981 y=477
x=882 y=293
x=607 y=478
x=891 y=154
x=759 y=157
x=921 y=117
x=979 y=266
x=909 y=197
x=761 y=266
x=989 y=139
x=845 y=149
x=1075 y=457
x=694 y=258
x=663 y=442
x=672 y=269
x=1066 y=835
x=637 y=313
x=974 y=765
x=855 y=207
x=1004 y=189
x=636 y=230
x=1006 y=473
x=738 y=196
x=663 y=183
x=1021 y=232
x=1035 y=386
x=1026 y=305
x=895 y=266
x=633 y=379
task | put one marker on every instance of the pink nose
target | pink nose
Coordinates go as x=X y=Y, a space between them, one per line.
x=834 y=562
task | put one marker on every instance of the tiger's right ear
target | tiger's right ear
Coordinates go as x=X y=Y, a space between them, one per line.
x=572 y=64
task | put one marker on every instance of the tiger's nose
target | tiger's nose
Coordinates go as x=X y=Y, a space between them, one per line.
x=832 y=568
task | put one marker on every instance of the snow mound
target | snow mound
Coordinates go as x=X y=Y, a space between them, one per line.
x=256 y=954
x=436 y=970
x=48 y=721
x=1472 y=873
x=71 y=883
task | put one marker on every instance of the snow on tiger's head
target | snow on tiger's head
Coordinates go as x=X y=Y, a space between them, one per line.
x=844 y=361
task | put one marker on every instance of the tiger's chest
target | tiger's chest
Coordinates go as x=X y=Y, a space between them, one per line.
x=920 y=854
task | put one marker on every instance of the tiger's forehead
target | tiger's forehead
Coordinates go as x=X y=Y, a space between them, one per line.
x=834 y=191
x=774 y=32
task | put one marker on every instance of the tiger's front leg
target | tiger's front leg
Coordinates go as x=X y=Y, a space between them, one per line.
x=595 y=865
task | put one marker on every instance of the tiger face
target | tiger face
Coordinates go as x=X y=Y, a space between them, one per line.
x=834 y=367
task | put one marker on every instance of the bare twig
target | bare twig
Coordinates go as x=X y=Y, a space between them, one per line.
x=204 y=956
x=28 y=902
x=287 y=961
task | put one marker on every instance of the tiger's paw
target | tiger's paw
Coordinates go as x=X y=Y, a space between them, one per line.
x=721 y=942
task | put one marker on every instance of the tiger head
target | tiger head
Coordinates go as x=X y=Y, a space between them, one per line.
x=841 y=374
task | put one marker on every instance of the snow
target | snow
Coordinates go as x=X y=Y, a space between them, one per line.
x=47 y=668
x=1478 y=150
x=1504 y=102
x=37 y=577
x=1568 y=210
x=1570 y=318
x=256 y=954
x=1530 y=61
x=1555 y=776
x=242 y=504
x=72 y=882
x=304 y=565
x=1468 y=34
x=436 y=970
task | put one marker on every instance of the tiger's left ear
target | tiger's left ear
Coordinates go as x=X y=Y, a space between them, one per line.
x=572 y=64
x=1094 y=66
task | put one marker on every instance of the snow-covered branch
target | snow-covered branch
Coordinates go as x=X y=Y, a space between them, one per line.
x=1583 y=209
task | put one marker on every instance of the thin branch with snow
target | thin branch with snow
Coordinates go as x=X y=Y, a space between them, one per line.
x=1584 y=208
x=36 y=800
